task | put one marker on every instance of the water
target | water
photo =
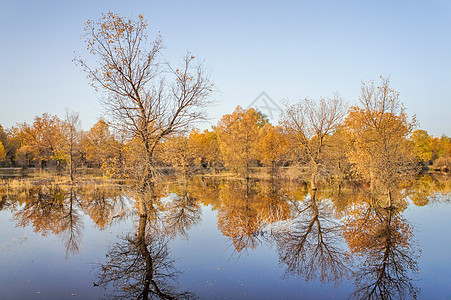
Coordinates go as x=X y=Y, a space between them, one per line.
x=223 y=239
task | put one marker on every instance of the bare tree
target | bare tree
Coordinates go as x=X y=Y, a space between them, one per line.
x=140 y=97
x=310 y=123
x=72 y=124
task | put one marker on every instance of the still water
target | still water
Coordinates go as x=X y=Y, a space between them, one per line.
x=225 y=239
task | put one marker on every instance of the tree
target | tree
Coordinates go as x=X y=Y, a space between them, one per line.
x=423 y=145
x=101 y=149
x=238 y=136
x=11 y=143
x=44 y=139
x=206 y=148
x=309 y=123
x=140 y=99
x=72 y=130
x=272 y=146
x=2 y=152
x=3 y=138
x=378 y=131
x=180 y=152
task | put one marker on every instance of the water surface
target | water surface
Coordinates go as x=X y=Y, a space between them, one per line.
x=224 y=239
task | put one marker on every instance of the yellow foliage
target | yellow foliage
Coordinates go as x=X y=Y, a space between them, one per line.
x=2 y=152
x=238 y=136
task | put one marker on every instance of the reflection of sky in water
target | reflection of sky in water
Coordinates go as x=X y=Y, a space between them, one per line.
x=255 y=274
x=34 y=266
x=38 y=266
x=432 y=224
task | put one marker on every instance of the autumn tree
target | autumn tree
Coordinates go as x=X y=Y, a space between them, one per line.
x=11 y=143
x=206 y=148
x=422 y=143
x=3 y=138
x=337 y=154
x=378 y=131
x=101 y=149
x=44 y=139
x=180 y=152
x=2 y=152
x=238 y=136
x=144 y=96
x=272 y=146
x=432 y=150
x=309 y=123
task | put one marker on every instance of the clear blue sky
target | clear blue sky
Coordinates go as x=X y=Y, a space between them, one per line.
x=289 y=49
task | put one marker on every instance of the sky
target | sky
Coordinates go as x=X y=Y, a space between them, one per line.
x=287 y=49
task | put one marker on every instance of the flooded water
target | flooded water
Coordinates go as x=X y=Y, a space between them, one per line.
x=225 y=239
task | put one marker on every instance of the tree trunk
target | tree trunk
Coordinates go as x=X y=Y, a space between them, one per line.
x=313 y=182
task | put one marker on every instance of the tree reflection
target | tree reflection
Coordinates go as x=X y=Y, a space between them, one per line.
x=305 y=228
x=272 y=205
x=53 y=210
x=104 y=204
x=72 y=224
x=182 y=211
x=309 y=245
x=382 y=238
x=426 y=189
x=237 y=216
x=139 y=266
x=59 y=210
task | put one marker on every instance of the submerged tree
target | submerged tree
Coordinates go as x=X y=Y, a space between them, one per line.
x=310 y=123
x=140 y=98
x=182 y=212
x=378 y=131
x=52 y=210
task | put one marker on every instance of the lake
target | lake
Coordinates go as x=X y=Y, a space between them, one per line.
x=225 y=239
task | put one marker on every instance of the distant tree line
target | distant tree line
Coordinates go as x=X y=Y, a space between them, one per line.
x=322 y=137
